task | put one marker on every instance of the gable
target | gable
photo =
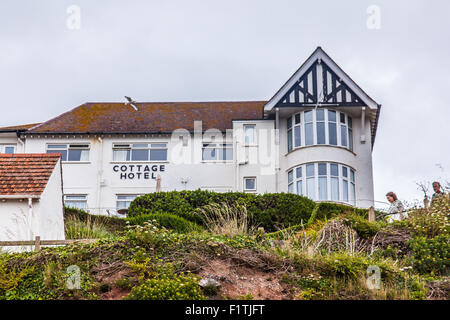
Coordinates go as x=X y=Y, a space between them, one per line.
x=320 y=82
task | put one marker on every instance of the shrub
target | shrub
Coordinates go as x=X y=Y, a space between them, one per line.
x=271 y=211
x=168 y=286
x=431 y=255
x=361 y=225
x=327 y=210
x=169 y=221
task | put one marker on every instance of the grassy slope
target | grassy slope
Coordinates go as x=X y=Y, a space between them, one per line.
x=148 y=262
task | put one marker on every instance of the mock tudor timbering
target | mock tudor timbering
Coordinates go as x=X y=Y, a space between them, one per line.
x=313 y=137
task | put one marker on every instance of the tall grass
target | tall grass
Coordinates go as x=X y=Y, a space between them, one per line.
x=76 y=228
x=228 y=220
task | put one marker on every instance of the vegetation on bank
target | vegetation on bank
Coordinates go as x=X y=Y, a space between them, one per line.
x=161 y=251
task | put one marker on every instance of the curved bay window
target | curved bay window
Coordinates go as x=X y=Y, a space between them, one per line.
x=323 y=181
x=319 y=127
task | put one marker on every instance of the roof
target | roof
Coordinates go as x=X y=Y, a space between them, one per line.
x=22 y=127
x=161 y=117
x=26 y=174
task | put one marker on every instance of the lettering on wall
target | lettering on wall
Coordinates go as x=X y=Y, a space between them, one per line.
x=138 y=171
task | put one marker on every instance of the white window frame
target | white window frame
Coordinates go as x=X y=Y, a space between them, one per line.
x=245 y=184
x=293 y=186
x=290 y=129
x=149 y=146
x=4 y=146
x=67 y=147
x=219 y=149
x=85 y=199
x=254 y=142
x=125 y=200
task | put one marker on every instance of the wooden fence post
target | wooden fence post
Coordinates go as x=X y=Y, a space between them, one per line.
x=426 y=202
x=371 y=214
x=37 y=243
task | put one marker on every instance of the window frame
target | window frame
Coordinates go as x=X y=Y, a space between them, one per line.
x=4 y=146
x=125 y=200
x=254 y=142
x=219 y=149
x=67 y=147
x=314 y=182
x=245 y=184
x=344 y=129
x=130 y=146
x=85 y=196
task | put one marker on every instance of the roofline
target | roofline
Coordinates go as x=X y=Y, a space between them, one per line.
x=19 y=196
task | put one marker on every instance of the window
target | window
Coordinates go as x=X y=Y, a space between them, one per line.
x=220 y=152
x=309 y=131
x=250 y=184
x=310 y=182
x=249 y=131
x=140 y=152
x=299 y=180
x=70 y=152
x=334 y=181
x=323 y=193
x=291 y=181
x=323 y=181
x=76 y=201
x=9 y=149
x=332 y=129
x=289 y=133
x=319 y=127
x=124 y=201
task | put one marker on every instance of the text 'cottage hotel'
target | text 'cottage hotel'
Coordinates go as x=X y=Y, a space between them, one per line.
x=314 y=137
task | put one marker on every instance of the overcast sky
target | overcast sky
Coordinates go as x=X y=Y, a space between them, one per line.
x=238 y=50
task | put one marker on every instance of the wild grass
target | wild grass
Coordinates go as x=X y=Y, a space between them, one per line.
x=77 y=228
x=227 y=220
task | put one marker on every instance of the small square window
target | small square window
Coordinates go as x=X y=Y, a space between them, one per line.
x=250 y=184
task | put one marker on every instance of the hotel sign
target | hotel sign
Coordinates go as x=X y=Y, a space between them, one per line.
x=138 y=171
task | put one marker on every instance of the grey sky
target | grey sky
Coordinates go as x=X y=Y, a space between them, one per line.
x=238 y=50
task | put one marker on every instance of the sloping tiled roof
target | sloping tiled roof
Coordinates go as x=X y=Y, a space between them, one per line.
x=150 y=117
x=26 y=174
x=22 y=127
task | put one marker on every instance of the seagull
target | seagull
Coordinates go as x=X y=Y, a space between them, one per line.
x=132 y=103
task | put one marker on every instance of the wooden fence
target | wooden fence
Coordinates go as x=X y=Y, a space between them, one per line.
x=37 y=242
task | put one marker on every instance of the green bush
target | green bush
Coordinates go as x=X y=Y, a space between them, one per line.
x=166 y=220
x=168 y=286
x=327 y=210
x=271 y=211
x=361 y=225
x=431 y=255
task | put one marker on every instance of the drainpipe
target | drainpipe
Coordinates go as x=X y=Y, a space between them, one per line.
x=277 y=142
x=21 y=142
x=99 y=174
x=32 y=220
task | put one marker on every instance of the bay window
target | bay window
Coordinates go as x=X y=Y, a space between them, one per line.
x=319 y=127
x=323 y=181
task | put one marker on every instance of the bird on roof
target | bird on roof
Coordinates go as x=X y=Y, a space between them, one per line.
x=132 y=103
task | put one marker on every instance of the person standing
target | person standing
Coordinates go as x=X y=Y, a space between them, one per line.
x=437 y=191
x=396 y=210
